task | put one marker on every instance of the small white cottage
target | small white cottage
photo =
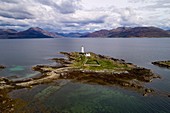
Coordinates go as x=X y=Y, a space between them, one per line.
x=88 y=55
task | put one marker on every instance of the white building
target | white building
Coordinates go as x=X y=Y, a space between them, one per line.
x=88 y=54
x=82 y=49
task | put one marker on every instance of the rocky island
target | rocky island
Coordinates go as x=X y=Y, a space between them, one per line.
x=88 y=68
x=165 y=64
x=99 y=69
x=2 y=67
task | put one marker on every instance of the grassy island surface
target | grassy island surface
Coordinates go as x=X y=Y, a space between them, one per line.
x=95 y=69
x=165 y=64
x=97 y=63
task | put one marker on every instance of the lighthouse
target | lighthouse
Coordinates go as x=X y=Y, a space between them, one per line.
x=82 y=49
x=84 y=53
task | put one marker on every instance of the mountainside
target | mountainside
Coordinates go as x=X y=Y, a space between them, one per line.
x=75 y=35
x=101 y=33
x=125 y=32
x=130 y=32
x=37 y=33
x=33 y=32
x=5 y=33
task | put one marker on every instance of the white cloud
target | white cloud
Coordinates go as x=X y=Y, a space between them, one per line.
x=63 y=6
x=83 y=15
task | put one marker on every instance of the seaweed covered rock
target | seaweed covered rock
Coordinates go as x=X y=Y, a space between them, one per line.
x=2 y=67
x=165 y=64
x=6 y=104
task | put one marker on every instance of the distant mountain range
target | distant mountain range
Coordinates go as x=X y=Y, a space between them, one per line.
x=33 y=32
x=129 y=32
x=126 y=32
x=74 y=35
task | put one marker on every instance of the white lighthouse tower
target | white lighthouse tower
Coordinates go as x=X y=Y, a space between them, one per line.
x=82 y=49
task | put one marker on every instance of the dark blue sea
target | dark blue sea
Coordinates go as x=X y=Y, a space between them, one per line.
x=65 y=96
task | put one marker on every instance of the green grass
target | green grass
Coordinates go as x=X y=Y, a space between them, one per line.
x=91 y=61
x=166 y=63
x=101 y=64
x=108 y=65
x=79 y=60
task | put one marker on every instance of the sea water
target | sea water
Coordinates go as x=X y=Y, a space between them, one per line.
x=73 y=97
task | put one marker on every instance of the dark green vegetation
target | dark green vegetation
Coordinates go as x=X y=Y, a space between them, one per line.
x=98 y=63
x=165 y=64
x=91 y=61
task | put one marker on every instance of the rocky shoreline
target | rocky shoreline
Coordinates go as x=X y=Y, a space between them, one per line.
x=125 y=75
x=165 y=64
x=132 y=77
x=111 y=72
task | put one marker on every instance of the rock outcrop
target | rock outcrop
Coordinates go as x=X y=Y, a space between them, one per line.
x=2 y=67
x=165 y=64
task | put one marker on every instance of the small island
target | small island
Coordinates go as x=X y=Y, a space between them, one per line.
x=165 y=64
x=2 y=67
x=98 y=69
x=88 y=67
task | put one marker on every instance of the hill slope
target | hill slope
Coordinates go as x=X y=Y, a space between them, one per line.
x=130 y=32
x=33 y=32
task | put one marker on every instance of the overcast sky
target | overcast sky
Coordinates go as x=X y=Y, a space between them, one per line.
x=83 y=15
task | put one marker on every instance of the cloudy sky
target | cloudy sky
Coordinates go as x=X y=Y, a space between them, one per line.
x=83 y=15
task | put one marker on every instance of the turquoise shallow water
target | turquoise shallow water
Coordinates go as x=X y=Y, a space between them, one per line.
x=16 y=68
x=17 y=72
x=73 y=97
x=86 y=98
